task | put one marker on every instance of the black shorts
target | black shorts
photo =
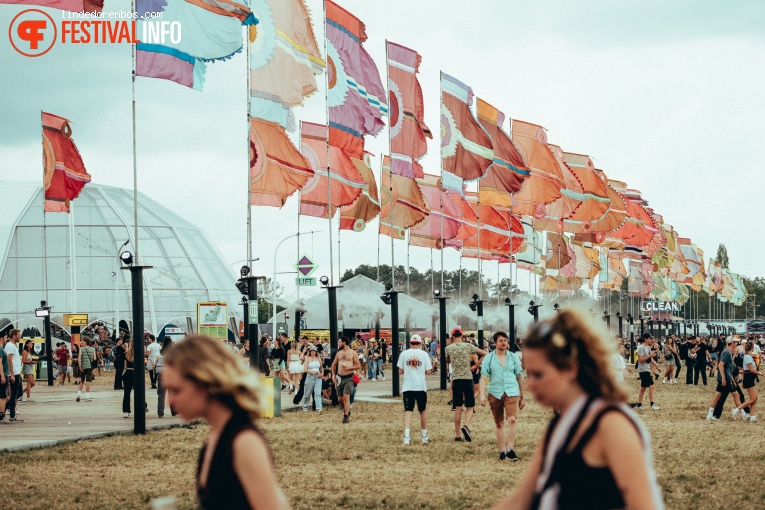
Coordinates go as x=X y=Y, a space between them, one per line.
x=724 y=389
x=646 y=380
x=749 y=380
x=4 y=389
x=87 y=375
x=477 y=376
x=410 y=397
x=463 y=393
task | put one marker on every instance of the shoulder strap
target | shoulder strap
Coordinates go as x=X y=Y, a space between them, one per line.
x=594 y=427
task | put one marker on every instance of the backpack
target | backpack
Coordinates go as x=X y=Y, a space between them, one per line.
x=111 y=354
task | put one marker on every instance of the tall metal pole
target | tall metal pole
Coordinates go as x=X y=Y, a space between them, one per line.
x=332 y=300
x=479 y=306
x=442 y=339
x=377 y=325
x=511 y=323
x=394 y=333
x=48 y=343
x=619 y=318
x=139 y=384
x=251 y=327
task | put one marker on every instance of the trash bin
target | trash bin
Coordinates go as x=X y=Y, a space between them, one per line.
x=42 y=371
x=272 y=396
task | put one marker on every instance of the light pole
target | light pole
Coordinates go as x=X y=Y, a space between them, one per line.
x=248 y=287
x=44 y=312
x=139 y=383
x=477 y=306
x=534 y=310
x=273 y=281
x=332 y=302
x=630 y=321
x=390 y=297
x=442 y=335
x=511 y=323
x=619 y=318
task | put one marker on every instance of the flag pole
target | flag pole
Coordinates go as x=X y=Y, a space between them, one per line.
x=45 y=240
x=440 y=185
x=390 y=181
x=329 y=174
x=379 y=226
x=249 y=177
x=72 y=265
x=135 y=164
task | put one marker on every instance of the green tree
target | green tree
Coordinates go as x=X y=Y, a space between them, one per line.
x=722 y=256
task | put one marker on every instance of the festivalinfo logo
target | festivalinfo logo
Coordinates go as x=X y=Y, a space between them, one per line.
x=33 y=32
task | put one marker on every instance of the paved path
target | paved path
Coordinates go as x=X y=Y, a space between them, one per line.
x=54 y=416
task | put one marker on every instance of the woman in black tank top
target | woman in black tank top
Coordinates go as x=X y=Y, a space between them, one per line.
x=595 y=454
x=206 y=380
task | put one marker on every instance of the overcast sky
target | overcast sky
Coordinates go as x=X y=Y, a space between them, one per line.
x=666 y=96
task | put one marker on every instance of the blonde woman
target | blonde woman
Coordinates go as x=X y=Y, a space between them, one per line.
x=750 y=384
x=235 y=469
x=295 y=358
x=596 y=454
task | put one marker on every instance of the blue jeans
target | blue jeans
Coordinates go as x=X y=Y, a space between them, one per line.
x=107 y=364
x=312 y=386
x=374 y=367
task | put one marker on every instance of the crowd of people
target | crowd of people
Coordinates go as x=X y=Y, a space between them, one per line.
x=564 y=363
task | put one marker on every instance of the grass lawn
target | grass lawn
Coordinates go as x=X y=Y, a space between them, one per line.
x=324 y=464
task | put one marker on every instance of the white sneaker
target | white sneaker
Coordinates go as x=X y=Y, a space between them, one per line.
x=734 y=413
x=373 y=379
x=753 y=418
x=744 y=416
x=407 y=441
x=714 y=418
x=663 y=381
x=426 y=440
x=126 y=415
x=709 y=414
x=655 y=407
x=383 y=378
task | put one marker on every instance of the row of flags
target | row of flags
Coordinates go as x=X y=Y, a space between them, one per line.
x=550 y=211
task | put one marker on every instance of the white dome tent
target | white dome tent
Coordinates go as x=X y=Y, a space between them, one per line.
x=83 y=270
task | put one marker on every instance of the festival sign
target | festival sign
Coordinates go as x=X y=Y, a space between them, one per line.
x=211 y=319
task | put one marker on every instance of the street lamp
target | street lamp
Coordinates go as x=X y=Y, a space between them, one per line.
x=390 y=297
x=534 y=310
x=477 y=306
x=332 y=303
x=630 y=321
x=44 y=313
x=511 y=323
x=442 y=335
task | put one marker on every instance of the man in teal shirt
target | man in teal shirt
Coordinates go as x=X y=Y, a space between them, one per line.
x=503 y=371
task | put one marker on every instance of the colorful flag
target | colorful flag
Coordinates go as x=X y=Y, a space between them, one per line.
x=66 y=5
x=408 y=131
x=545 y=181
x=212 y=29
x=65 y=173
x=556 y=216
x=284 y=60
x=164 y=62
x=443 y=220
x=356 y=97
x=595 y=201
x=277 y=169
x=367 y=206
x=345 y=184
x=508 y=170
x=530 y=254
x=403 y=205
x=466 y=149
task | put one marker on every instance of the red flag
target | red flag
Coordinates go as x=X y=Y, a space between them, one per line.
x=65 y=173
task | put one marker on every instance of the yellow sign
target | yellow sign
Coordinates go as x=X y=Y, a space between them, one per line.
x=75 y=319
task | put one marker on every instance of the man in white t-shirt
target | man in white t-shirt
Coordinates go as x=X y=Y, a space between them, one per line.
x=152 y=355
x=14 y=364
x=414 y=363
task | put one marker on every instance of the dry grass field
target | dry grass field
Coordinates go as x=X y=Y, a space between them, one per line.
x=324 y=464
